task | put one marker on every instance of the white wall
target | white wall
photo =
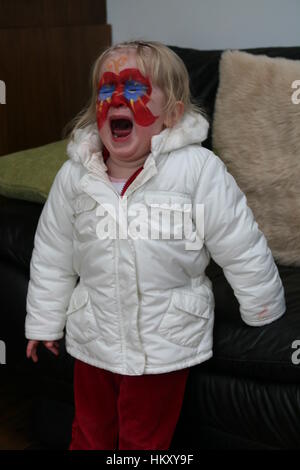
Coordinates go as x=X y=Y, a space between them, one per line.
x=207 y=24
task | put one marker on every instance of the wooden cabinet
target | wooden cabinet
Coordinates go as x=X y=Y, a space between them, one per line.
x=47 y=48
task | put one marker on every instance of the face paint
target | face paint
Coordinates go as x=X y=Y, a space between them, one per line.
x=115 y=64
x=130 y=88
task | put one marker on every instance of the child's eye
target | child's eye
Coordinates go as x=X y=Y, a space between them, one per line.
x=106 y=91
x=134 y=90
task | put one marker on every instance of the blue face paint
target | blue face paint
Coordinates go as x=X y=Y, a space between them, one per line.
x=134 y=90
x=106 y=91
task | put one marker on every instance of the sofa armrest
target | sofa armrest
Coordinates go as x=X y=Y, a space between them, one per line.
x=18 y=222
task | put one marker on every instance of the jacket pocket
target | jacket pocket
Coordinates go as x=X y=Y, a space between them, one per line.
x=81 y=324
x=168 y=212
x=186 y=319
x=168 y=200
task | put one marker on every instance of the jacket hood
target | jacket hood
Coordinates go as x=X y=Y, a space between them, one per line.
x=191 y=129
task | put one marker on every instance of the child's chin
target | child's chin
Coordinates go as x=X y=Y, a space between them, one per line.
x=123 y=150
x=121 y=153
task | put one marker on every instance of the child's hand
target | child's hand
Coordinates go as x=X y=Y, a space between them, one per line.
x=32 y=348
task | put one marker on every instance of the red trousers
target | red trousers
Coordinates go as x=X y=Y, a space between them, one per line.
x=114 y=411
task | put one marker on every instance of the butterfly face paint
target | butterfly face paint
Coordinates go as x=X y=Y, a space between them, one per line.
x=130 y=88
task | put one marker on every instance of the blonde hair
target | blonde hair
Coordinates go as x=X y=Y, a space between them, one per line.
x=165 y=68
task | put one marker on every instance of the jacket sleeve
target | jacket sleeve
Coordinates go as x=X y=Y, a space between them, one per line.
x=52 y=277
x=235 y=242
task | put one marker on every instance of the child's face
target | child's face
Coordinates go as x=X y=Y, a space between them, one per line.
x=129 y=107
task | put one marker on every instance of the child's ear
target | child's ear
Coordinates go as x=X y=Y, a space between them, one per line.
x=175 y=115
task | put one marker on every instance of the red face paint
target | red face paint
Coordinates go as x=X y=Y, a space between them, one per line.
x=130 y=88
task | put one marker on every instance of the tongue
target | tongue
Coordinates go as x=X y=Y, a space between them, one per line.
x=121 y=127
x=122 y=132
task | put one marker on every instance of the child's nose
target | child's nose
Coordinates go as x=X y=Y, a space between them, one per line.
x=118 y=100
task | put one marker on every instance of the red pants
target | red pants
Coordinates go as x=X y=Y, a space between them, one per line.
x=114 y=411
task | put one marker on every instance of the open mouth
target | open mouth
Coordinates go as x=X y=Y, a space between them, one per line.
x=120 y=127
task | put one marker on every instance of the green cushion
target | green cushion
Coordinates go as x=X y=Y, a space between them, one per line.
x=29 y=174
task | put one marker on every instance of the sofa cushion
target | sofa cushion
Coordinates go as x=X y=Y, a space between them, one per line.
x=231 y=412
x=29 y=174
x=203 y=68
x=270 y=352
x=256 y=134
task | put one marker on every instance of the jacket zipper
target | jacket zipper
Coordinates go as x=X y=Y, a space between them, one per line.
x=123 y=343
x=125 y=187
x=130 y=180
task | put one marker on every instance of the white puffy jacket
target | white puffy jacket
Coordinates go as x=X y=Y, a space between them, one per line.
x=145 y=306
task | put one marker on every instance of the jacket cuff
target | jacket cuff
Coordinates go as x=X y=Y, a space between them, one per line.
x=263 y=321
x=35 y=335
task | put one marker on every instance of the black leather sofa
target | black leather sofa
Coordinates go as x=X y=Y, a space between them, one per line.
x=246 y=397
